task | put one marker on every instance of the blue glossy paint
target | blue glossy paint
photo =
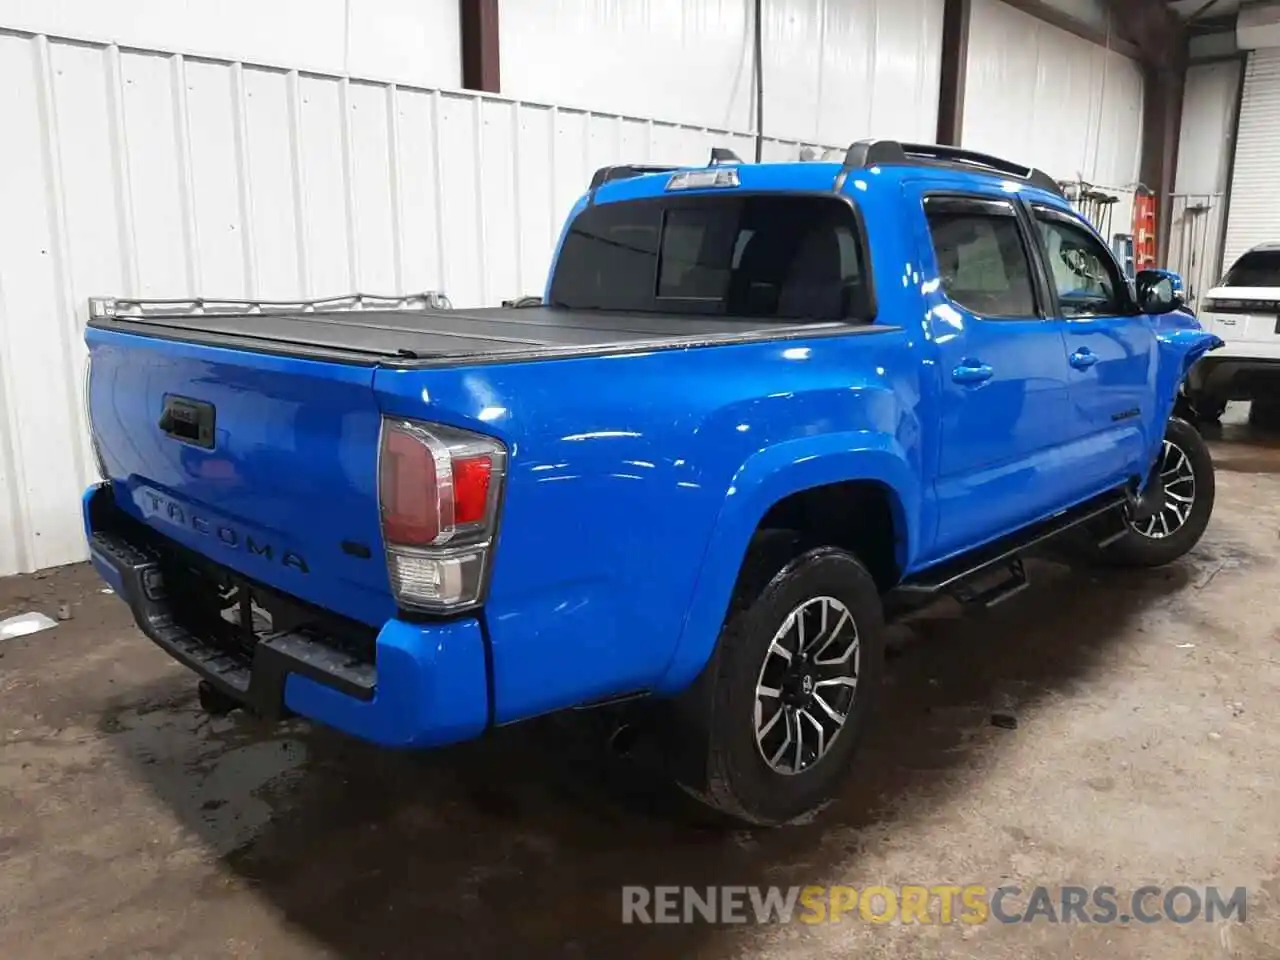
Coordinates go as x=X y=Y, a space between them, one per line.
x=635 y=482
x=432 y=688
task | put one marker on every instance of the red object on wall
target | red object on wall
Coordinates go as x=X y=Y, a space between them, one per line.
x=1144 y=230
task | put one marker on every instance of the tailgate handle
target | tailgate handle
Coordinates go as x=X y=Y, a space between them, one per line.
x=190 y=421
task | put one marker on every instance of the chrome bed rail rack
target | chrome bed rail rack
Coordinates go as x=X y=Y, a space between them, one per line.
x=120 y=308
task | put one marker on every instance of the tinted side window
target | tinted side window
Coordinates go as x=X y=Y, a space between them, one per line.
x=1082 y=269
x=982 y=261
x=780 y=256
x=1257 y=268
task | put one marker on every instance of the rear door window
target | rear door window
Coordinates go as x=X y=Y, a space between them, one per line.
x=982 y=259
x=1257 y=268
x=783 y=256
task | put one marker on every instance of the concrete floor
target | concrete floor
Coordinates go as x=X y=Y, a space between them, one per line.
x=1147 y=751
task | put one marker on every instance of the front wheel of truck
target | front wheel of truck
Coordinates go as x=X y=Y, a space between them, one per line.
x=1179 y=520
x=796 y=669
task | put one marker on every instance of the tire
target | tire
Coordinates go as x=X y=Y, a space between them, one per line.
x=737 y=778
x=1146 y=544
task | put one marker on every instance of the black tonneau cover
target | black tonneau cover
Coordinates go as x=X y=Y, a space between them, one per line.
x=449 y=337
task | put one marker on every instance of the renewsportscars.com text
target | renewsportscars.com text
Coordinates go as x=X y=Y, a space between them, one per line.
x=936 y=904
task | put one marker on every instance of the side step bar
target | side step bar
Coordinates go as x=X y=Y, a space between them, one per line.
x=994 y=573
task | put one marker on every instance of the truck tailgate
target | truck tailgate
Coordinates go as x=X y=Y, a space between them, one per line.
x=262 y=463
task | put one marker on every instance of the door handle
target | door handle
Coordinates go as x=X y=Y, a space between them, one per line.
x=971 y=372
x=1083 y=359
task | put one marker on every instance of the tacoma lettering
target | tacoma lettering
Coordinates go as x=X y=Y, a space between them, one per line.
x=228 y=535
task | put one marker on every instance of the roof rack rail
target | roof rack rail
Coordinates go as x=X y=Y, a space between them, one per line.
x=625 y=171
x=873 y=153
x=869 y=153
x=723 y=155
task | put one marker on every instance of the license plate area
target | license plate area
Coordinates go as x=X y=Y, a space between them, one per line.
x=216 y=605
x=187 y=420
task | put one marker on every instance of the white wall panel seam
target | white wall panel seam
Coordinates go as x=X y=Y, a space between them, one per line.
x=240 y=131
x=553 y=125
x=68 y=328
x=182 y=128
x=1100 y=113
x=346 y=149
x=823 y=11
x=478 y=146
x=397 y=187
x=928 y=82
x=305 y=281
x=438 y=190
x=875 y=50
x=12 y=468
x=119 y=149
x=515 y=193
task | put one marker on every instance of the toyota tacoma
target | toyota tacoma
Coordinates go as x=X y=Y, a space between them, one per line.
x=756 y=408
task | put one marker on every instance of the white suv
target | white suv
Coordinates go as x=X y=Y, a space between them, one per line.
x=1245 y=312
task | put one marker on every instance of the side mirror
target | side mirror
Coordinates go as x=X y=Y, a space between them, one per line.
x=1159 y=291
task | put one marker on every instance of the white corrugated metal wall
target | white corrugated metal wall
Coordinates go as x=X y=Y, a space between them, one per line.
x=407 y=41
x=834 y=70
x=1255 y=189
x=1204 y=152
x=1046 y=97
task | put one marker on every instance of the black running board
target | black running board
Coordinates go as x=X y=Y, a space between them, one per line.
x=960 y=576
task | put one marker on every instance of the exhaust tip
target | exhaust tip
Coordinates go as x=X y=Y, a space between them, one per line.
x=623 y=740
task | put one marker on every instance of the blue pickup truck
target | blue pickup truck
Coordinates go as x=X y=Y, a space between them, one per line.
x=758 y=408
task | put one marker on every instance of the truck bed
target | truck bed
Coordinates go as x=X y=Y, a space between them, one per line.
x=429 y=337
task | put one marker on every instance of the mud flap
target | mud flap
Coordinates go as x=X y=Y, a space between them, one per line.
x=1150 y=498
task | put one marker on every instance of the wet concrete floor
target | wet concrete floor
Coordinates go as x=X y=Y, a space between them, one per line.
x=1147 y=750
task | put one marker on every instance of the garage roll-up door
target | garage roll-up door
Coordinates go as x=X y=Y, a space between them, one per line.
x=1254 y=216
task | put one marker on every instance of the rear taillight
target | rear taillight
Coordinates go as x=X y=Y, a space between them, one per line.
x=438 y=488
x=1259 y=307
x=99 y=463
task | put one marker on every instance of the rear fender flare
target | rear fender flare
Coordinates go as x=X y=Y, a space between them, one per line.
x=768 y=477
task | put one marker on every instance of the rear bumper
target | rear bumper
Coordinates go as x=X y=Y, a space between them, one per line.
x=427 y=684
x=1235 y=377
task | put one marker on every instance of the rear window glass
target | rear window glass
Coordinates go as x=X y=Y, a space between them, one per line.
x=786 y=257
x=1258 y=268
